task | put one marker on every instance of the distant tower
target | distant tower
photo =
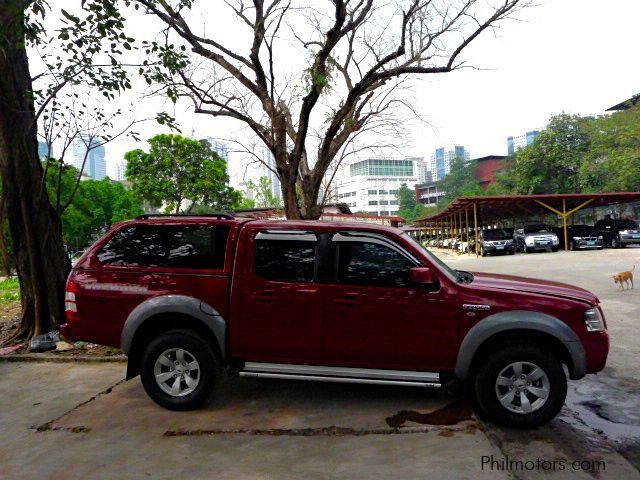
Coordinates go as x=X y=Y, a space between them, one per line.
x=95 y=165
x=515 y=143
x=43 y=150
x=219 y=147
x=440 y=164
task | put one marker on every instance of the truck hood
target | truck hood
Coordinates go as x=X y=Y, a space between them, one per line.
x=532 y=285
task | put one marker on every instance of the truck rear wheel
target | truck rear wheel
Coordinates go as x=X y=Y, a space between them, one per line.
x=179 y=370
x=521 y=386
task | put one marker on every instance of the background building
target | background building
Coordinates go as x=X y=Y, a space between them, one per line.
x=372 y=185
x=95 y=165
x=219 y=147
x=520 y=141
x=43 y=150
x=118 y=170
x=440 y=163
x=626 y=105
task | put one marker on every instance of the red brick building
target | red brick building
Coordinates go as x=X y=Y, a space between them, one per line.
x=487 y=168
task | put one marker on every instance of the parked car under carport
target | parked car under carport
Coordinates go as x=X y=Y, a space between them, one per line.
x=580 y=237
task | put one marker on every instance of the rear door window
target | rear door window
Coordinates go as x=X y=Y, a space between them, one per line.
x=192 y=246
x=135 y=246
x=197 y=247
x=286 y=259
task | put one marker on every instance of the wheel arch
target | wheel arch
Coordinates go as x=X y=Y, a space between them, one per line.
x=523 y=327
x=161 y=314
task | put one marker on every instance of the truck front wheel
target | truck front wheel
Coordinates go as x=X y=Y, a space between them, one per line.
x=179 y=370
x=521 y=386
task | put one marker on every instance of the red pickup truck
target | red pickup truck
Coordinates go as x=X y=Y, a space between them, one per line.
x=185 y=296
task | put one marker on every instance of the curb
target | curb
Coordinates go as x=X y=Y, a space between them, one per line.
x=38 y=358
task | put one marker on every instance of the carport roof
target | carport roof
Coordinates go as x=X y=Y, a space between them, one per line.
x=497 y=207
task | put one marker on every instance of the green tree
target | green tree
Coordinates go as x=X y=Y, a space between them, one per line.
x=96 y=205
x=612 y=162
x=264 y=196
x=459 y=182
x=406 y=199
x=408 y=206
x=179 y=169
x=552 y=162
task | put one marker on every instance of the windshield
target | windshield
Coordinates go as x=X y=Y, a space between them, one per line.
x=581 y=230
x=497 y=234
x=627 y=224
x=536 y=229
x=454 y=273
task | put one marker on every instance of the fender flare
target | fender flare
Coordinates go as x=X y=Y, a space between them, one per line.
x=167 y=304
x=520 y=320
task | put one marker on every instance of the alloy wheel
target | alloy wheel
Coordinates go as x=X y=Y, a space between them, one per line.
x=177 y=372
x=522 y=387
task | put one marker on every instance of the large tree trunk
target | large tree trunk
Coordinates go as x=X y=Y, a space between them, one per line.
x=35 y=227
x=289 y=195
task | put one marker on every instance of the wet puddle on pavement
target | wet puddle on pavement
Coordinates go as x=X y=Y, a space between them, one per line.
x=451 y=414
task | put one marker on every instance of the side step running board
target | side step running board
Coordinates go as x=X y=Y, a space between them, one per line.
x=341 y=374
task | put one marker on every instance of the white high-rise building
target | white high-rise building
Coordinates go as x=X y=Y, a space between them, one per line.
x=440 y=162
x=516 y=142
x=118 y=170
x=219 y=147
x=95 y=166
x=372 y=185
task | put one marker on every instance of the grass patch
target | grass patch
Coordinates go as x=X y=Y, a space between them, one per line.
x=9 y=284
x=9 y=290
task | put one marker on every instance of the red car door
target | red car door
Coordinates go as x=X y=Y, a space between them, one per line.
x=276 y=308
x=380 y=319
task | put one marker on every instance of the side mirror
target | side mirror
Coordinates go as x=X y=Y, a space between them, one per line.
x=424 y=276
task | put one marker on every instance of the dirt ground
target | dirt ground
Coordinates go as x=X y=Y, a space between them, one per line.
x=10 y=319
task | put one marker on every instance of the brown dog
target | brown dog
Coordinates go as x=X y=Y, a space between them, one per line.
x=624 y=278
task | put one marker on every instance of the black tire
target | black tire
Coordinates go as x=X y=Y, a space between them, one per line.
x=486 y=389
x=195 y=347
x=554 y=249
x=483 y=252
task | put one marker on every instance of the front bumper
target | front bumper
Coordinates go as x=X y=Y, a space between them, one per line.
x=629 y=239
x=585 y=244
x=542 y=246
x=499 y=248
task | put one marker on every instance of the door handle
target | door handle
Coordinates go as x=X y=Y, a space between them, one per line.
x=349 y=300
x=264 y=296
x=164 y=284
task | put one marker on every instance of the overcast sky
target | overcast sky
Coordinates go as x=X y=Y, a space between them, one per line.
x=576 y=56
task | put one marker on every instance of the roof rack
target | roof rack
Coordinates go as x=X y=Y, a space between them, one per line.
x=224 y=216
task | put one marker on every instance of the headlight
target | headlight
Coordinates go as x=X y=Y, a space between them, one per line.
x=594 y=321
x=577 y=238
x=624 y=232
x=600 y=237
x=529 y=241
x=487 y=244
x=554 y=240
